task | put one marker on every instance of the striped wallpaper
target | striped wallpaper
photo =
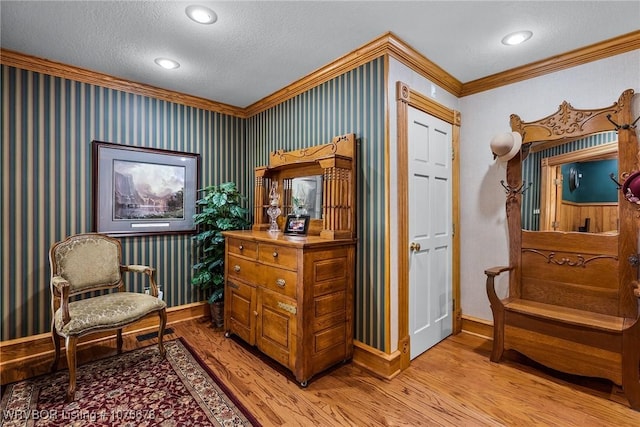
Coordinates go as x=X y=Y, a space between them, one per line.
x=531 y=170
x=47 y=126
x=351 y=103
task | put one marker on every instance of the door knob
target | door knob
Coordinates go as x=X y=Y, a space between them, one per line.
x=414 y=246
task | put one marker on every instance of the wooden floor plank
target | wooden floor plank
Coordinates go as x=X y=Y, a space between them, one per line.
x=452 y=384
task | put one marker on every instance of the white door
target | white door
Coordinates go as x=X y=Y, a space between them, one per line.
x=430 y=231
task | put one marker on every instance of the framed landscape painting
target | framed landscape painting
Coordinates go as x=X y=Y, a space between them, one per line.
x=142 y=191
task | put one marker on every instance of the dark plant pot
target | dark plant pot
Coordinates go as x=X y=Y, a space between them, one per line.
x=217 y=313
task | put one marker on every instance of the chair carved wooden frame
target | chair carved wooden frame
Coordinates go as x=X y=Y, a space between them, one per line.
x=83 y=264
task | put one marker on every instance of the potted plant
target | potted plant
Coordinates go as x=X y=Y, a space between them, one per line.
x=219 y=209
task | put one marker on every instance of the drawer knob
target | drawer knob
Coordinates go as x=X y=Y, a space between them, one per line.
x=280 y=283
x=275 y=254
x=241 y=247
x=236 y=268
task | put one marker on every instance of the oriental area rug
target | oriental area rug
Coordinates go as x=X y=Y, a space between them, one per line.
x=135 y=388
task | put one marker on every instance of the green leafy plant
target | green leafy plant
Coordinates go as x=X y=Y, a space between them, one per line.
x=219 y=210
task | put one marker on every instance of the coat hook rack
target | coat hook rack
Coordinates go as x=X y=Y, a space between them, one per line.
x=613 y=178
x=515 y=190
x=627 y=126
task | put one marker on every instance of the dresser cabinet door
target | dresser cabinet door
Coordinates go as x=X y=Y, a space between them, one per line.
x=240 y=310
x=276 y=327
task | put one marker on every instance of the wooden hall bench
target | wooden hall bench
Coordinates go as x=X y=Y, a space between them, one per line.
x=573 y=302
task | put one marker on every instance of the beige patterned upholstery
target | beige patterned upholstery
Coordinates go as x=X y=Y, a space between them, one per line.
x=106 y=312
x=81 y=265
x=73 y=256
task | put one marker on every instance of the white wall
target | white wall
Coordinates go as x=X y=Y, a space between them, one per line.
x=483 y=228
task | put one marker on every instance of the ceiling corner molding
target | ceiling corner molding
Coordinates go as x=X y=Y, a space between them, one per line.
x=386 y=44
x=418 y=62
x=615 y=46
x=57 y=69
x=360 y=56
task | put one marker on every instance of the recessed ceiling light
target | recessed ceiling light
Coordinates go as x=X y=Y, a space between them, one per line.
x=516 y=38
x=167 y=63
x=201 y=14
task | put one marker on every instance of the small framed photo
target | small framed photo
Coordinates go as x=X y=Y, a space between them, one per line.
x=297 y=225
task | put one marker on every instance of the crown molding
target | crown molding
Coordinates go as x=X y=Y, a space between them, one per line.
x=615 y=46
x=57 y=69
x=404 y=53
x=345 y=63
x=386 y=45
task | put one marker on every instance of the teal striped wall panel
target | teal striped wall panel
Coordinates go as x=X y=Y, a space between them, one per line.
x=531 y=173
x=351 y=103
x=47 y=126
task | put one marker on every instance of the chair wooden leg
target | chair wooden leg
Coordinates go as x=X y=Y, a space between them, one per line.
x=119 y=340
x=56 y=346
x=163 y=322
x=71 y=343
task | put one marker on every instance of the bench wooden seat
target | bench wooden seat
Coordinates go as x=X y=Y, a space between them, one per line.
x=572 y=316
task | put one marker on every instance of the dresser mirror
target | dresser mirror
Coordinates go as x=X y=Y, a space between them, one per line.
x=305 y=196
x=570 y=186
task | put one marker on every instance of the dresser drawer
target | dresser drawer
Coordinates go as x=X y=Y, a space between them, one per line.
x=279 y=280
x=281 y=256
x=240 y=268
x=242 y=247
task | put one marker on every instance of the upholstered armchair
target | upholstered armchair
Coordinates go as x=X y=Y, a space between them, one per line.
x=81 y=265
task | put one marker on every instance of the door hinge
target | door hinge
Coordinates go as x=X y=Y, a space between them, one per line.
x=453 y=154
x=453 y=230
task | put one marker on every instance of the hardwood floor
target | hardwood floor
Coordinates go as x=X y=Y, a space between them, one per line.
x=452 y=384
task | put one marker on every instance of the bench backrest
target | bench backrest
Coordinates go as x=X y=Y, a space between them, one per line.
x=576 y=270
x=586 y=271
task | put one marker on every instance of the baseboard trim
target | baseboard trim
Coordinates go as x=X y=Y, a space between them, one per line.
x=387 y=366
x=480 y=327
x=17 y=353
x=377 y=362
x=20 y=352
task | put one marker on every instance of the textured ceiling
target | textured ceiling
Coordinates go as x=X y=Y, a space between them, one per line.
x=256 y=48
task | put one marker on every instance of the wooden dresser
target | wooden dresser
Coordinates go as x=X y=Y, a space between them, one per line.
x=292 y=296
